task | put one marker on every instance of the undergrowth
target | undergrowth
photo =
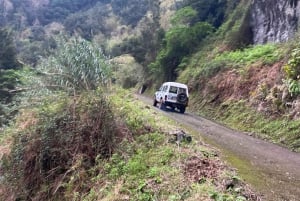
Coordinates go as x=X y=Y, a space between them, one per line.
x=116 y=149
x=204 y=64
x=57 y=140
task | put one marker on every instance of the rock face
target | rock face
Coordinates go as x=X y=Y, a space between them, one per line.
x=274 y=21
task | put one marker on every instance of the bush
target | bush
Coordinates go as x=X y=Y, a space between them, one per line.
x=292 y=68
x=292 y=72
x=62 y=138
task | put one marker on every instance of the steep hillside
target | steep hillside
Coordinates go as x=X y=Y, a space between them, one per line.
x=248 y=86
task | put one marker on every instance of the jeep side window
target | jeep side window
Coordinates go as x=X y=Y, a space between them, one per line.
x=173 y=90
x=165 y=88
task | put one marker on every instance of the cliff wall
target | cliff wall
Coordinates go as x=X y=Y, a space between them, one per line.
x=274 y=21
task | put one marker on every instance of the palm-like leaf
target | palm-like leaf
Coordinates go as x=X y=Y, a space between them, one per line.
x=77 y=65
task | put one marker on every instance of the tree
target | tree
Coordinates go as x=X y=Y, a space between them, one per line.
x=212 y=12
x=180 y=41
x=184 y=16
x=8 y=76
x=8 y=55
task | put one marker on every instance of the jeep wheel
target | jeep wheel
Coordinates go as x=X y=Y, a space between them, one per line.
x=154 y=102
x=182 y=110
x=162 y=105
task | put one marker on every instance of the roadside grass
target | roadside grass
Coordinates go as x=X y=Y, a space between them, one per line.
x=280 y=130
x=149 y=167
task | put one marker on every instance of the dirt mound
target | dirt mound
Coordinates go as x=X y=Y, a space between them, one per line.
x=198 y=169
x=235 y=84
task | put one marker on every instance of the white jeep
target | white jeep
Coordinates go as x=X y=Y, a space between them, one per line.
x=172 y=94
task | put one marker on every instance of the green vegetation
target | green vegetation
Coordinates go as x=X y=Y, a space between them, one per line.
x=132 y=11
x=281 y=130
x=108 y=151
x=236 y=31
x=9 y=77
x=76 y=65
x=60 y=133
x=184 y=16
x=56 y=140
x=78 y=138
x=8 y=52
x=292 y=72
x=212 y=12
x=210 y=64
x=74 y=143
x=266 y=54
x=180 y=41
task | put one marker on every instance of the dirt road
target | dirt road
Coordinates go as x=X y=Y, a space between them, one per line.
x=272 y=170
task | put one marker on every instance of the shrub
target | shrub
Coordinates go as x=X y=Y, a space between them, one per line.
x=292 y=72
x=47 y=153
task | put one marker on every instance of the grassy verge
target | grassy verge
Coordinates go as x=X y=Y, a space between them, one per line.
x=238 y=115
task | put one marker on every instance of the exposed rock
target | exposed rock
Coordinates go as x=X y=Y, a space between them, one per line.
x=274 y=21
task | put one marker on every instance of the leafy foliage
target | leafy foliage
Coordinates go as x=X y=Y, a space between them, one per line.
x=8 y=80
x=127 y=72
x=131 y=11
x=212 y=12
x=58 y=10
x=144 y=47
x=76 y=65
x=179 y=42
x=9 y=77
x=184 y=16
x=8 y=54
x=88 y=23
x=293 y=86
x=292 y=71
